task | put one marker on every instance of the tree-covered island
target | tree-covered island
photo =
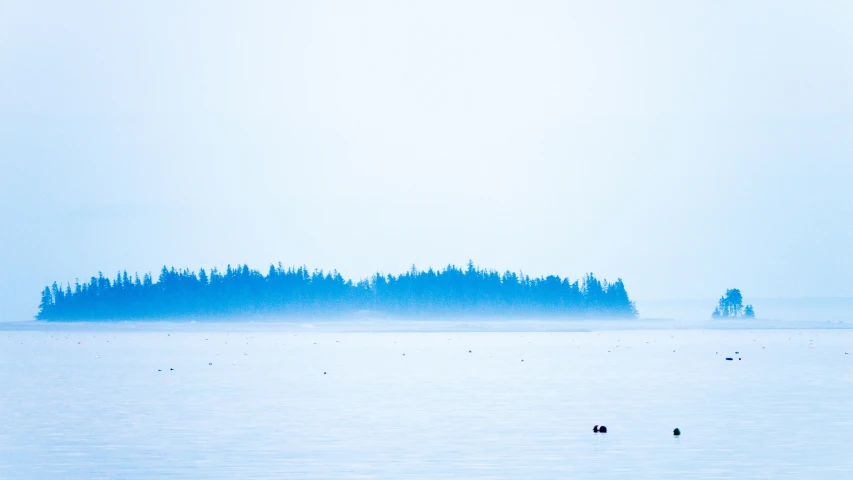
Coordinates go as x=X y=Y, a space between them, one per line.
x=296 y=291
x=731 y=305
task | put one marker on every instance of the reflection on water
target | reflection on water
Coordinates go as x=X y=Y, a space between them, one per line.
x=290 y=401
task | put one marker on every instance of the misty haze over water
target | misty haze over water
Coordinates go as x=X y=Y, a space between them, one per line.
x=832 y=309
x=681 y=150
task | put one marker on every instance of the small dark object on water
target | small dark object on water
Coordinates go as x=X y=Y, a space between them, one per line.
x=738 y=358
x=324 y=373
x=676 y=432
x=737 y=353
x=729 y=358
x=210 y=363
x=602 y=429
x=172 y=369
x=159 y=370
x=469 y=351
x=595 y=429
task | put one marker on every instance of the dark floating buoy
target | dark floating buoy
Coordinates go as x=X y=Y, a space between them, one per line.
x=324 y=373
x=676 y=432
x=729 y=358
x=159 y=370
x=602 y=429
x=737 y=353
x=171 y=369
x=469 y=351
x=595 y=429
x=210 y=363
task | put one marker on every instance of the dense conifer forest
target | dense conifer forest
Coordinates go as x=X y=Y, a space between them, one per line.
x=296 y=291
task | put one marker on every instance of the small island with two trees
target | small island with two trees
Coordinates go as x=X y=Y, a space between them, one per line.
x=731 y=306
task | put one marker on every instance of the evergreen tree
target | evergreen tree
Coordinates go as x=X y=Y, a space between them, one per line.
x=46 y=305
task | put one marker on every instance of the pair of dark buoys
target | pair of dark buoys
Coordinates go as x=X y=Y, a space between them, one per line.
x=603 y=429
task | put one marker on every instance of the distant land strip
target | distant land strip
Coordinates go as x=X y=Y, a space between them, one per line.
x=298 y=292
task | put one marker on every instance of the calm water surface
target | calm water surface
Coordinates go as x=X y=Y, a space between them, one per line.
x=95 y=401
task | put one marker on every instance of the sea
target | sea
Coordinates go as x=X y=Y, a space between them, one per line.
x=441 y=399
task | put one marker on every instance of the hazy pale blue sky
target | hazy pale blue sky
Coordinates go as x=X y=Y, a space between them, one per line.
x=684 y=146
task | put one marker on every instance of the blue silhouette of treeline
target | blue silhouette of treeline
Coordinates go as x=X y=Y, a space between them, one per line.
x=298 y=292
